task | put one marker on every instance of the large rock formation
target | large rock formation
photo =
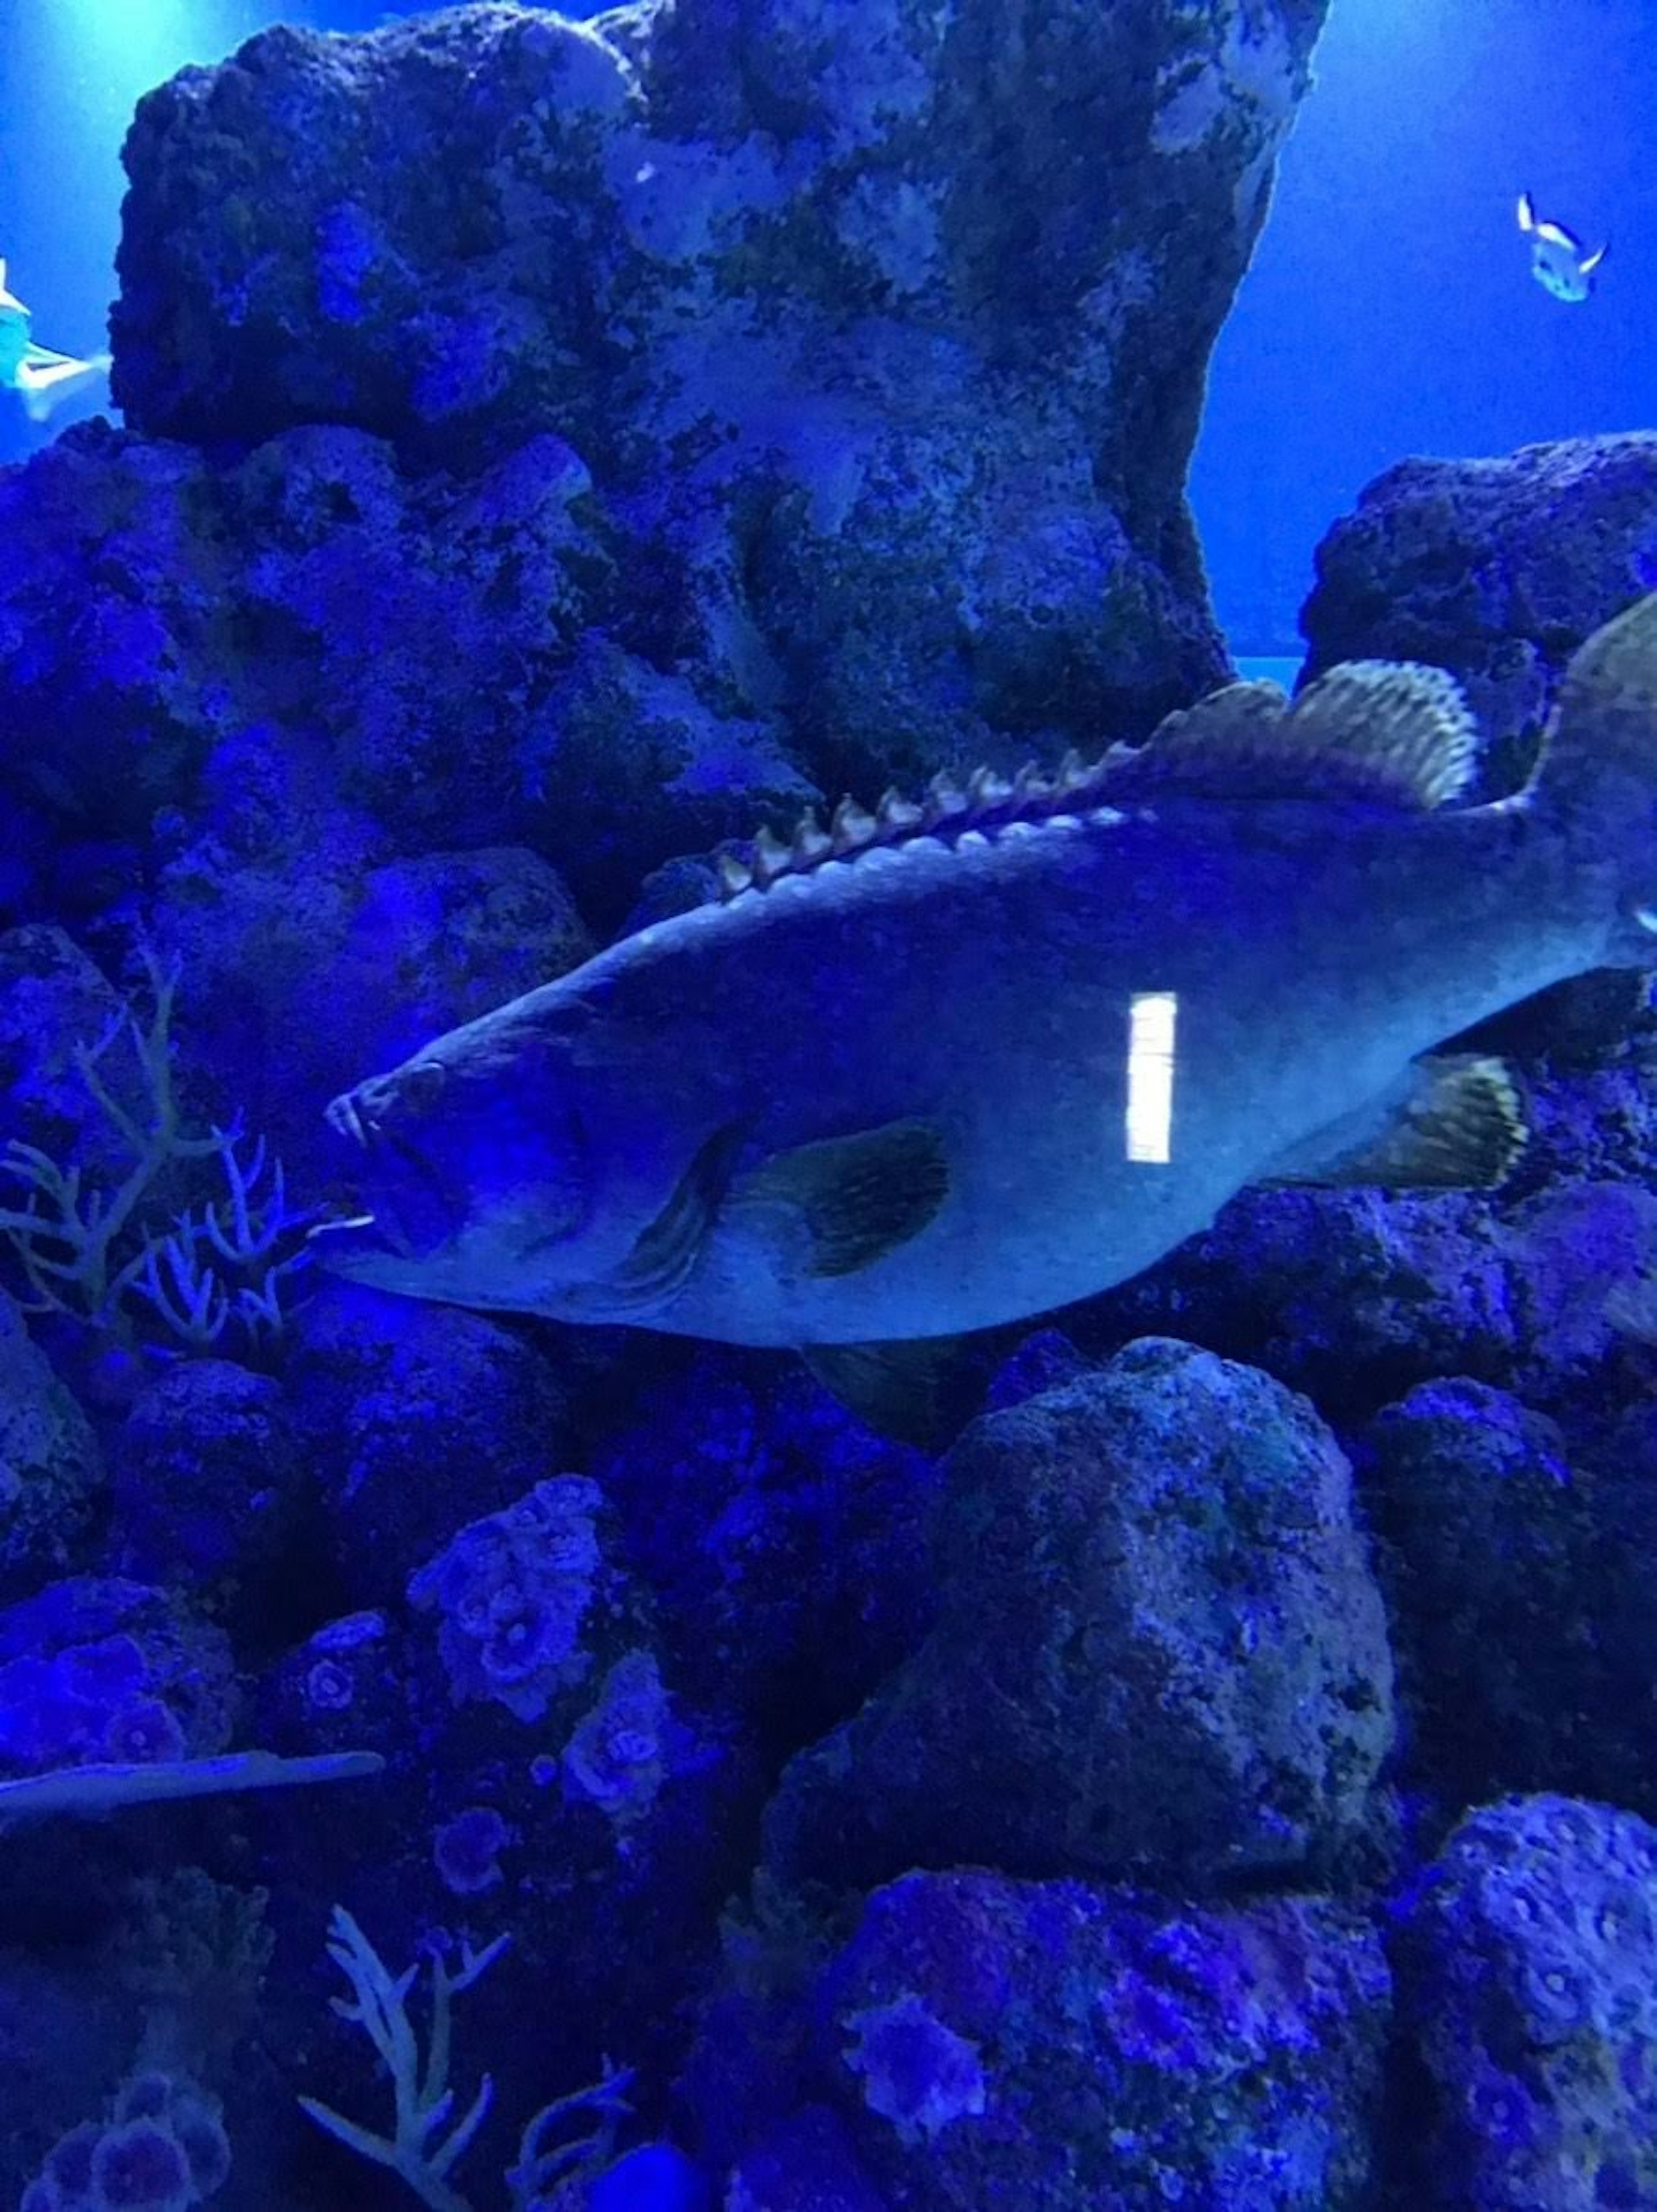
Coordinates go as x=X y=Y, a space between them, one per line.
x=729 y=403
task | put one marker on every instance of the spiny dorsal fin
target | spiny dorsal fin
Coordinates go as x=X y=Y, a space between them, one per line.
x=1390 y=733
x=948 y=808
x=1384 y=733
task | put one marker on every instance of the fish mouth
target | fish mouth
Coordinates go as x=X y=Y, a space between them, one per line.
x=345 y=1114
x=340 y=1239
x=396 y=1205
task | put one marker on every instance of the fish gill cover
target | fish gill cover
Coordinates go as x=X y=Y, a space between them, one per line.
x=553 y=452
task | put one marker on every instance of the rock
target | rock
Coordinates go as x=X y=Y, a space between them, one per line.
x=374 y=1378
x=206 y=1480
x=992 y=2042
x=1159 y=1648
x=50 y=1466
x=1529 y=1984
x=1517 y=1577
x=629 y=766
x=404 y=617
x=1495 y=570
x=763 y=1515
x=805 y=2164
x=53 y=1000
x=302 y=974
x=1488 y=1541
x=882 y=425
x=95 y=1668
x=1356 y=1296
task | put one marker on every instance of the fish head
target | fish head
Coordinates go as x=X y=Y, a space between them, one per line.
x=470 y=1169
x=1558 y=272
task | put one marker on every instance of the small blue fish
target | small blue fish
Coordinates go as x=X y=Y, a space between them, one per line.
x=1557 y=261
x=44 y=377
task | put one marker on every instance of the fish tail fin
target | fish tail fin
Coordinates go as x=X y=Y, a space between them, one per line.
x=1526 y=212
x=1598 y=770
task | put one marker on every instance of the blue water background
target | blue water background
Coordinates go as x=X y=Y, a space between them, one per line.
x=1390 y=309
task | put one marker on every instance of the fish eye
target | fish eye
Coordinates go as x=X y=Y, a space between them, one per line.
x=422 y=1086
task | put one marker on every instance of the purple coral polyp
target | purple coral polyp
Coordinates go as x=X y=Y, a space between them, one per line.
x=140 y=2165
x=144 y=1731
x=616 y=1757
x=162 y=2148
x=917 y=2073
x=466 y=1849
x=328 y=1687
x=512 y=1590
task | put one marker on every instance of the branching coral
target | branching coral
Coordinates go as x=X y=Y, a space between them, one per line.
x=417 y=2150
x=91 y=1251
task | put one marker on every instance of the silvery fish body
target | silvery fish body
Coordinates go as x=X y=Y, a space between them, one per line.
x=1560 y=263
x=44 y=377
x=894 y=1091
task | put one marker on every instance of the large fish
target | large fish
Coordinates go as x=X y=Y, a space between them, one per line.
x=965 y=1060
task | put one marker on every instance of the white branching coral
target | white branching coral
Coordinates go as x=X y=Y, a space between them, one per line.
x=95 y=1249
x=424 y=2147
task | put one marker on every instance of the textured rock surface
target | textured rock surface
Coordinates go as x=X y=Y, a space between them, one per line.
x=1494 y=569
x=1532 y=1964
x=1064 y=2048
x=50 y=1466
x=764 y=1516
x=206 y=1478
x=811 y=399
x=1159 y=1646
x=1517 y=1576
x=375 y=1380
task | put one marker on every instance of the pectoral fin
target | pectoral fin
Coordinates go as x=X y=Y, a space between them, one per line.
x=852 y=1199
x=665 y=1257
x=900 y=1390
x=1455 y=1122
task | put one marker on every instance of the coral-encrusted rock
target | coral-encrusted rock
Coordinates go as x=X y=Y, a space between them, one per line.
x=1160 y=1648
x=376 y=1380
x=989 y=2042
x=389 y=629
x=764 y=1516
x=1356 y=1296
x=291 y=667
x=806 y=2164
x=95 y=1668
x=206 y=1478
x=304 y=970
x=1497 y=569
x=881 y=333
x=49 y=1467
x=1532 y=1975
x=54 y=998
x=1518 y=1579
